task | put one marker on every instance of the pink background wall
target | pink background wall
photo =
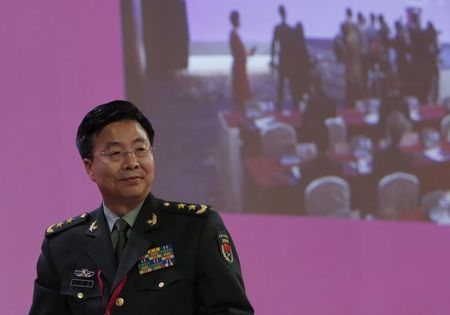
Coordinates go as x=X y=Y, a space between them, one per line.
x=58 y=58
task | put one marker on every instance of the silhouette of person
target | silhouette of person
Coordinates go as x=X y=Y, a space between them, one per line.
x=373 y=41
x=419 y=59
x=365 y=57
x=392 y=158
x=348 y=22
x=282 y=41
x=384 y=36
x=402 y=63
x=322 y=164
x=431 y=35
x=353 y=65
x=301 y=65
x=240 y=83
x=319 y=108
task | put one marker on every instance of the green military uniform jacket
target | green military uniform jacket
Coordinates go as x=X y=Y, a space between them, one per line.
x=179 y=259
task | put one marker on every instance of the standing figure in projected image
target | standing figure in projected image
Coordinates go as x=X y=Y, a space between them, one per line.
x=431 y=35
x=419 y=58
x=364 y=37
x=352 y=59
x=402 y=58
x=282 y=47
x=301 y=66
x=240 y=84
x=135 y=254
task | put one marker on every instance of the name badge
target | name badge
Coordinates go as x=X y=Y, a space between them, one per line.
x=82 y=283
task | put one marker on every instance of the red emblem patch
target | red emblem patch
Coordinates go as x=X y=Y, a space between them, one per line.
x=225 y=246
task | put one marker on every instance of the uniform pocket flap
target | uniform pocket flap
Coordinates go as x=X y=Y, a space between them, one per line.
x=158 y=280
x=80 y=290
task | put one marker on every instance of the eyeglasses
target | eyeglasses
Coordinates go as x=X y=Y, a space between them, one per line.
x=139 y=152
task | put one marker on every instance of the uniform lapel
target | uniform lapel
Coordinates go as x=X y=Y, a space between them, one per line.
x=139 y=240
x=100 y=248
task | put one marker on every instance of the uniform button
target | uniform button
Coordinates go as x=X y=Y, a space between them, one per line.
x=161 y=284
x=120 y=301
x=80 y=295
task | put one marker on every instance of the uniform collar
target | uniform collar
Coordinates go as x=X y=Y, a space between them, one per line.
x=148 y=218
x=130 y=217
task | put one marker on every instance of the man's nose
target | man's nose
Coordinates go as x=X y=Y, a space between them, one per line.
x=130 y=160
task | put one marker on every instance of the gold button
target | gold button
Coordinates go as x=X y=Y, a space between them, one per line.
x=80 y=295
x=120 y=301
x=161 y=284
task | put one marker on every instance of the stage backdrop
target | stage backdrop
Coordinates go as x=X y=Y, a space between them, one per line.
x=58 y=59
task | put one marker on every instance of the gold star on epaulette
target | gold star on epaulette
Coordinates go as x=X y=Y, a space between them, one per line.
x=69 y=220
x=186 y=208
x=202 y=209
x=50 y=229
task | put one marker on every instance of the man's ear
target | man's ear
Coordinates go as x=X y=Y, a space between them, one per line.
x=88 y=166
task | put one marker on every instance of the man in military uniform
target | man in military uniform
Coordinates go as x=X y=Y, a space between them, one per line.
x=136 y=254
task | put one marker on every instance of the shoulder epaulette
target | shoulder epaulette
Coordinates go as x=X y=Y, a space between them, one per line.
x=64 y=225
x=186 y=208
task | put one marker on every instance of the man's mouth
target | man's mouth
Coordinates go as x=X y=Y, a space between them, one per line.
x=131 y=179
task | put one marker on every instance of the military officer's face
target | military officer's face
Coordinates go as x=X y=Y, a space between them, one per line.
x=123 y=179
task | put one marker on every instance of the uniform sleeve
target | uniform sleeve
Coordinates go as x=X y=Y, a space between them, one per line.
x=46 y=297
x=220 y=285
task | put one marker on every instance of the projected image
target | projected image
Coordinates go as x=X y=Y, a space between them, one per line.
x=323 y=109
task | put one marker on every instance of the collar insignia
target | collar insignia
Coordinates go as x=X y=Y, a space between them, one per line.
x=93 y=226
x=153 y=220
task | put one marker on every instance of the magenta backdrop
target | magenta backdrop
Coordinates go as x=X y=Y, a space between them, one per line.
x=57 y=59
x=60 y=57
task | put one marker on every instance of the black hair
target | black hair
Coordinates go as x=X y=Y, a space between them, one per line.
x=282 y=11
x=234 y=17
x=349 y=12
x=105 y=114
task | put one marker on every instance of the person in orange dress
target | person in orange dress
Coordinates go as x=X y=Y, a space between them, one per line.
x=240 y=84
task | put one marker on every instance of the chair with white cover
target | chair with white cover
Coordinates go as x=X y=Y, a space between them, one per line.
x=445 y=128
x=278 y=138
x=337 y=130
x=398 y=192
x=229 y=163
x=328 y=196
